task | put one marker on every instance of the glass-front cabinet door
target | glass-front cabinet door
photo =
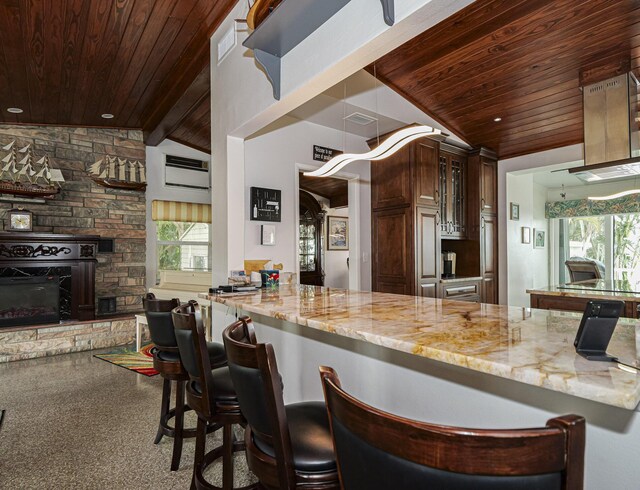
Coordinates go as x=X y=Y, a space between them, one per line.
x=452 y=190
x=310 y=242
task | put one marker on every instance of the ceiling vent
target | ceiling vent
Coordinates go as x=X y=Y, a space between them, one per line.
x=360 y=119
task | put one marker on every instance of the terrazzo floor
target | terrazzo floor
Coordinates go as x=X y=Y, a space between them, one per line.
x=74 y=421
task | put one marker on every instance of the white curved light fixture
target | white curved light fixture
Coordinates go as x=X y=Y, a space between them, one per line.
x=614 y=196
x=387 y=148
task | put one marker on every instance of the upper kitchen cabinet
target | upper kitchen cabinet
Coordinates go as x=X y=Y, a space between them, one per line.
x=488 y=184
x=391 y=180
x=426 y=173
x=452 y=186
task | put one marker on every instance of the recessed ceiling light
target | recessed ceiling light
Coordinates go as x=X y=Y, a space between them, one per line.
x=15 y=110
x=497 y=119
x=107 y=116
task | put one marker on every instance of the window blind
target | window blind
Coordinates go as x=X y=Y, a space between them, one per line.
x=180 y=211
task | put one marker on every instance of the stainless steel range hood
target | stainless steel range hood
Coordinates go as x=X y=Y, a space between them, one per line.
x=611 y=142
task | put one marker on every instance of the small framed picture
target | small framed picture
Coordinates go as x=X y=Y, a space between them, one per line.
x=515 y=211
x=337 y=233
x=526 y=234
x=267 y=234
x=538 y=238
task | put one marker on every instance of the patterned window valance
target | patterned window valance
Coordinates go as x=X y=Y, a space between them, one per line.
x=180 y=211
x=585 y=207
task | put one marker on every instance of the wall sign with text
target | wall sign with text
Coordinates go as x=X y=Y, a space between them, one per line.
x=324 y=154
x=266 y=204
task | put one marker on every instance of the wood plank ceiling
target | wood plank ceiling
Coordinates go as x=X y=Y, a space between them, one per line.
x=66 y=62
x=519 y=60
x=332 y=188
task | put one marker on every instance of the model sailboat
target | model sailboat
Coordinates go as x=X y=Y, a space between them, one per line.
x=27 y=177
x=119 y=173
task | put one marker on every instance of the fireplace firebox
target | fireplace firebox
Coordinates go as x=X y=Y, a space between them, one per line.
x=39 y=260
x=29 y=300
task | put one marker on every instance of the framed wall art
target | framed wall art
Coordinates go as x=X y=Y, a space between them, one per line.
x=265 y=205
x=337 y=233
x=514 y=211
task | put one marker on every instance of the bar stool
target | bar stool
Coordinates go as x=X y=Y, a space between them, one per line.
x=380 y=450
x=210 y=394
x=290 y=446
x=166 y=360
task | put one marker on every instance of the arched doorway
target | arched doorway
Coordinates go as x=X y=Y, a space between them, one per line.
x=310 y=244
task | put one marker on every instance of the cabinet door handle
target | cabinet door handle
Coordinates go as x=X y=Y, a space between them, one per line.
x=437 y=218
x=437 y=197
x=461 y=290
x=482 y=222
x=482 y=206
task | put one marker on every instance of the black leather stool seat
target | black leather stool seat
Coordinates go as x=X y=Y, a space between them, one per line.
x=222 y=386
x=311 y=442
x=215 y=349
x=217 y=354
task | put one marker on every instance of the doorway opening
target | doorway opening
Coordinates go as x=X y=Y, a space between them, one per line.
x=323 y=247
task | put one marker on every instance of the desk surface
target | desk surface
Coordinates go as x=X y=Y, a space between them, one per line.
x=526 y=345
x=598 y=289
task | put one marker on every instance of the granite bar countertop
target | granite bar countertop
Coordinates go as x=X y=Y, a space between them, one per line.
x=598 y=289
x=522 y=344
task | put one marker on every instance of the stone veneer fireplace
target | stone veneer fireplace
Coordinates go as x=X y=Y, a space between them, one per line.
x=32 y=265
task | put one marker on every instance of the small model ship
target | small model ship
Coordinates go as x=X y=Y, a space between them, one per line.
x=26 y=177
x=118 y=173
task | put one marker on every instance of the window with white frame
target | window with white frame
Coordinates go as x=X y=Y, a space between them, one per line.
x=183 y=246
x=612 y=240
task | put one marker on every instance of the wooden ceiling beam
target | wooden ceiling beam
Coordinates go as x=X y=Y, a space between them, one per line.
x=165 y=120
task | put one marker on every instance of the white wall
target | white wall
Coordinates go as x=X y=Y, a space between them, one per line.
x=157 y=190
x=271 y=159
x=528 y=267
x=242 y=101
x=536 y=160
x=335 y=261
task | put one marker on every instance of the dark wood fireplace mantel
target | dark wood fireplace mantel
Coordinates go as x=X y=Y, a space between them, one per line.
x=78 y=252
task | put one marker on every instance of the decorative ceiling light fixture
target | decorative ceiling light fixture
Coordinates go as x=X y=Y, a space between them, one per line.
x=614 y=196
x=15 y=110
x=387 y=148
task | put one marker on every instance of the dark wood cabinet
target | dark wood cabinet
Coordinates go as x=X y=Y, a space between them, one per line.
x=488 y=185
x=393 y=269
x=427 y=196
x=391 y=180
x=577 y=303
x=482 y=223
x=489 y=257
x=426 y=173
x=452 y=173
x=427 y=250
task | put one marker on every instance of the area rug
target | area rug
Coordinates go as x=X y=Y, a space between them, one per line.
x=139 y=361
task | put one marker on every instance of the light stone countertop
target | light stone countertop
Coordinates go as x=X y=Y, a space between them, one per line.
x=598 y=289
x=522 y=344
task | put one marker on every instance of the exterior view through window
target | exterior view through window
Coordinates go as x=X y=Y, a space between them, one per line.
x=613 y=241
x=183 y=246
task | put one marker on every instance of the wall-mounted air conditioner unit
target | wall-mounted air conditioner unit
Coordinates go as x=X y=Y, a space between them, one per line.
x=186 y=172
